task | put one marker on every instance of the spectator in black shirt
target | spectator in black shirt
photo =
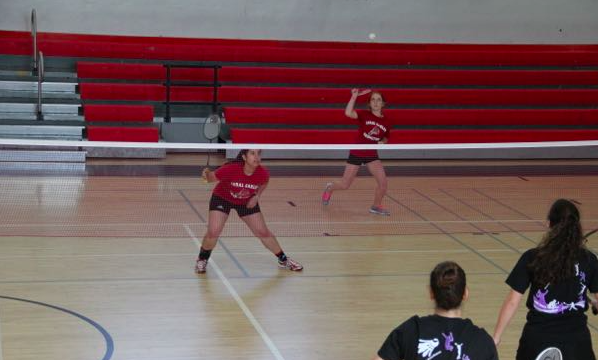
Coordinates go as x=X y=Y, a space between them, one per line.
x=444 y=335
x=559 y=272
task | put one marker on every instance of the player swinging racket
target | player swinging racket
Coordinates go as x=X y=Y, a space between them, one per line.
x=240 y=184
x=559 y=272
x=374 y=128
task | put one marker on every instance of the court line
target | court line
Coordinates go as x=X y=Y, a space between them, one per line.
x=5 y=257
x=191 y=206
x=540 y=222
x=492 y=218
x=107 y=337
x=194 y=278
x=256 y=325
x=286 y=222
x=449 y=235
x=462 y=218
x=472 y=207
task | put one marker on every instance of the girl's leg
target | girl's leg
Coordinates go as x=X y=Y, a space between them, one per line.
x=377 y=170
x=343 y=184
x=258 y=226
x=216 y=221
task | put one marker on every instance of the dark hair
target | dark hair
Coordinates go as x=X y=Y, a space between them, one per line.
x=448 y=282
x=240 y=155
x=561 y=247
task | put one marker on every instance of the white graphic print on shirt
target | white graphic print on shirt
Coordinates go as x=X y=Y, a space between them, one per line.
x=375 y=133
x=426 y=348
x=558 y=307
x=241 y=190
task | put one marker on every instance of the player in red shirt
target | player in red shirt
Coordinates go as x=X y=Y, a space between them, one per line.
x=374 y=128
x=240 y=184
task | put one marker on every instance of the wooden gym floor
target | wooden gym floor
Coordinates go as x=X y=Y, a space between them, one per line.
x=101 y=267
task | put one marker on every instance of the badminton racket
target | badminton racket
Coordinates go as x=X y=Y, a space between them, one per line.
x=211 y=130
x=550 y=353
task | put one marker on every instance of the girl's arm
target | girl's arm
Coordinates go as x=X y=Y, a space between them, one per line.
x=254 y=200
x=507 y=311
x=350 y=109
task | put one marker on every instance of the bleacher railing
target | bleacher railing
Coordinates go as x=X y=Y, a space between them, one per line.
x=169 y=83
x=40 y=79
x=34 y=39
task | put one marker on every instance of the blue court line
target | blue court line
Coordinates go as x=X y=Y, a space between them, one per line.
x=486 y=215
x=230 y=254
x=449 y=235
x=491 y=218
x=234 y=259
x=105 y=334
x=191 y=206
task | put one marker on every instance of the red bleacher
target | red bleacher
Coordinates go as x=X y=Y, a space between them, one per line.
x=415 y=117
x=294 y=75
x=561 y=100
x=123 y=133
x=118 y=113
x=408 y=136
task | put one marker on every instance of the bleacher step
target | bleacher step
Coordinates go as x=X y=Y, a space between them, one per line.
x=41 y=132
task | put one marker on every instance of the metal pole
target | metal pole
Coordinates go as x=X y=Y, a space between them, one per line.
x=34 y=38
x=40 y=79
x=167 y=115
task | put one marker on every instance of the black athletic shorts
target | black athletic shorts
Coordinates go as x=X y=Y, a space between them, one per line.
x=219 y=204
x=358 y=160
x=573 y=345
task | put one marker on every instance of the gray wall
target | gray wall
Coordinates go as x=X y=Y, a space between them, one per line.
x=445 y=21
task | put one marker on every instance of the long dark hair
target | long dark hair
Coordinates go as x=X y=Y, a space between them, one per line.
x=448 y=284
x=561 y=247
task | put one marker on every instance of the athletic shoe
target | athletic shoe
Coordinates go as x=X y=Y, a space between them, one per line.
x=326 y=194
x=379 y=210
x=200 y=266
x=290 y=264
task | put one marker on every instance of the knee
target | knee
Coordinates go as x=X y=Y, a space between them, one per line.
x=212 y=234
x=345 y=184
x=263 y=233
x=383 y=185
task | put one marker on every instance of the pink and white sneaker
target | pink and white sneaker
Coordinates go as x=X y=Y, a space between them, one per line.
x=327 y=194
x=290 y=264
x=201 y=266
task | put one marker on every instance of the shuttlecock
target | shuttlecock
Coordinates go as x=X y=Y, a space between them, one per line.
x=372 y=36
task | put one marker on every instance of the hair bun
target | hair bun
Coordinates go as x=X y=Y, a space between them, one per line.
x=448 y=278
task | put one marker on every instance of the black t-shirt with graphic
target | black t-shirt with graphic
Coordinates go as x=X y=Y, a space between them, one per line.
x=439 y=338
x=559 y=307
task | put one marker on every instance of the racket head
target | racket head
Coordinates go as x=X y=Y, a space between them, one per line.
x=550 y=353
x=211 y=127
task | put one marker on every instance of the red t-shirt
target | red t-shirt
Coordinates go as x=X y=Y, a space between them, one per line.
x=237 y=187
x=372 y=129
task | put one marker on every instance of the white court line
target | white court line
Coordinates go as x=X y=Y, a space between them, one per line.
x=455 y=251
x=235 y=295
x=295 y=222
